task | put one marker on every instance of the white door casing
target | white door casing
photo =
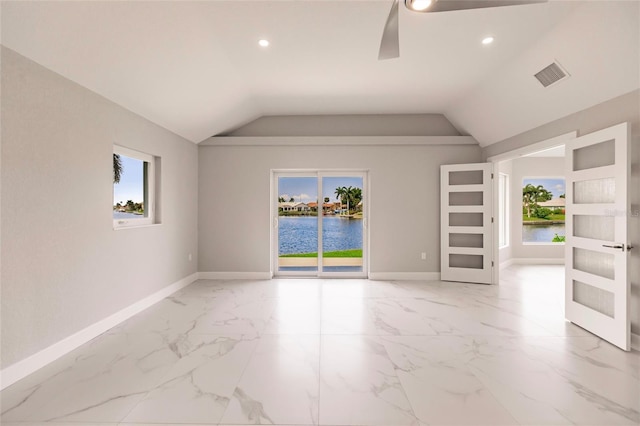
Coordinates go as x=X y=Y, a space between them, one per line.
x=597 y=241
x=466 y=223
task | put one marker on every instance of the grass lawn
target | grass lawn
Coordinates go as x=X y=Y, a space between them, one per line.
x=553 y=217
x=341 y=253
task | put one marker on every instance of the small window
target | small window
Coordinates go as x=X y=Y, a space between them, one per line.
x=503 y=210
x=133 y=188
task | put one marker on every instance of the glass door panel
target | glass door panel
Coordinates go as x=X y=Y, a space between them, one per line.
x=596 y=252
x=298 y=224
x=342 y=224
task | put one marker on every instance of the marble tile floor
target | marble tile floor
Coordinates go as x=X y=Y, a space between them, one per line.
x=341 y=352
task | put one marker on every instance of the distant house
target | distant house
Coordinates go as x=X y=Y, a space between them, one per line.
x=285 y=207
x=293 y=207
x=553 y=204
x=331 y=207
x=313 y=206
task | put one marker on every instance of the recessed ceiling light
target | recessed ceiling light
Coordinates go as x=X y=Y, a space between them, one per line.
x=487 y=40
x=418 y=5
x=263 y=42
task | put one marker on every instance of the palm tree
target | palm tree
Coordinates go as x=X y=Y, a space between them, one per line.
x=356 y=197
x=342 y=195
x=350 y=196
x=117 y=168
x=281 y=199
x=532 y=195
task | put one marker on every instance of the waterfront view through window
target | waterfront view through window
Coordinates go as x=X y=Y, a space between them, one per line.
x=543 y=210
x=133 y=187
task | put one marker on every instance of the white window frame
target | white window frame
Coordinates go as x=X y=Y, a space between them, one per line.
x=503 y=210
x=150 y=201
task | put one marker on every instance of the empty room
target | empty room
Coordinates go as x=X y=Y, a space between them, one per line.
x=319 y=212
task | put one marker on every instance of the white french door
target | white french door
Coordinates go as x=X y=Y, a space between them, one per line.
x=597 y=239
x=466 y=222
x=320 y=223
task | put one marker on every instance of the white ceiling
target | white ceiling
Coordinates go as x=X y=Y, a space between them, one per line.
x=195 y=67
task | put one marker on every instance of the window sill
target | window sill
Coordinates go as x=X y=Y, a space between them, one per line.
x=147 y=225
x=542 y=244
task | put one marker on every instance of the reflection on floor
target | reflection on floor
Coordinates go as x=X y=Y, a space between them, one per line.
x=342 y=352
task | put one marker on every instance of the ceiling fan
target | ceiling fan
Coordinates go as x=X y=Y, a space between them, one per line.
x=390 y=44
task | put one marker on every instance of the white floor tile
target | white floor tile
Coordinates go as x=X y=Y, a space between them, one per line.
x=99 y=382
x=541 y=386
x=341 y=352
x=228 y=316
x=280 y=383
x=440 y=387
x=349 y=315
x=199 y=386
x=358 y=384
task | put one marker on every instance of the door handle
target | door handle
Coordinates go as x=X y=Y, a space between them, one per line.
x=616 y=246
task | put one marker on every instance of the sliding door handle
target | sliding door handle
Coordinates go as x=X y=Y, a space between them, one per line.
x=616 y=246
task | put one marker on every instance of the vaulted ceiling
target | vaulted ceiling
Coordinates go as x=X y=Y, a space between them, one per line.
x=196 y=69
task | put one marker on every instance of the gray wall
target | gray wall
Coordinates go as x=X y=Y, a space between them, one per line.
x=63 y=265
x=615 y=111
x=606 y=114
x=349 y=125
x=234 y=202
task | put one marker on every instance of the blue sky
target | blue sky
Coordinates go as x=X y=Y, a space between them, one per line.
x=305 y=189
x=131 y=182
x=555 y=185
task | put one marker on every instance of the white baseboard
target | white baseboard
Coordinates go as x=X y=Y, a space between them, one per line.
x=402 y=276
x=235 y=275
x=23 y=368
x=635 y=341
x=506 y=263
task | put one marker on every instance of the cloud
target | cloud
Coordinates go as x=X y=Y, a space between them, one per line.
x=298 y=197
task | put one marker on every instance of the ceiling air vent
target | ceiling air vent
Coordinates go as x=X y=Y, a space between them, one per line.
x=551 y=74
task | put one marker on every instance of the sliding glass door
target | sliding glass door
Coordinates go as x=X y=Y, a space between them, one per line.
x=297 y=224
x=342 y=224
x=320 y=221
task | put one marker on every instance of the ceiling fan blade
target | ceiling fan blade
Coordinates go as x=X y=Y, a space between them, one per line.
x=390 y=43
x=448 y=5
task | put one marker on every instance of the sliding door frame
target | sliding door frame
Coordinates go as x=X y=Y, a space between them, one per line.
x=319 y=174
